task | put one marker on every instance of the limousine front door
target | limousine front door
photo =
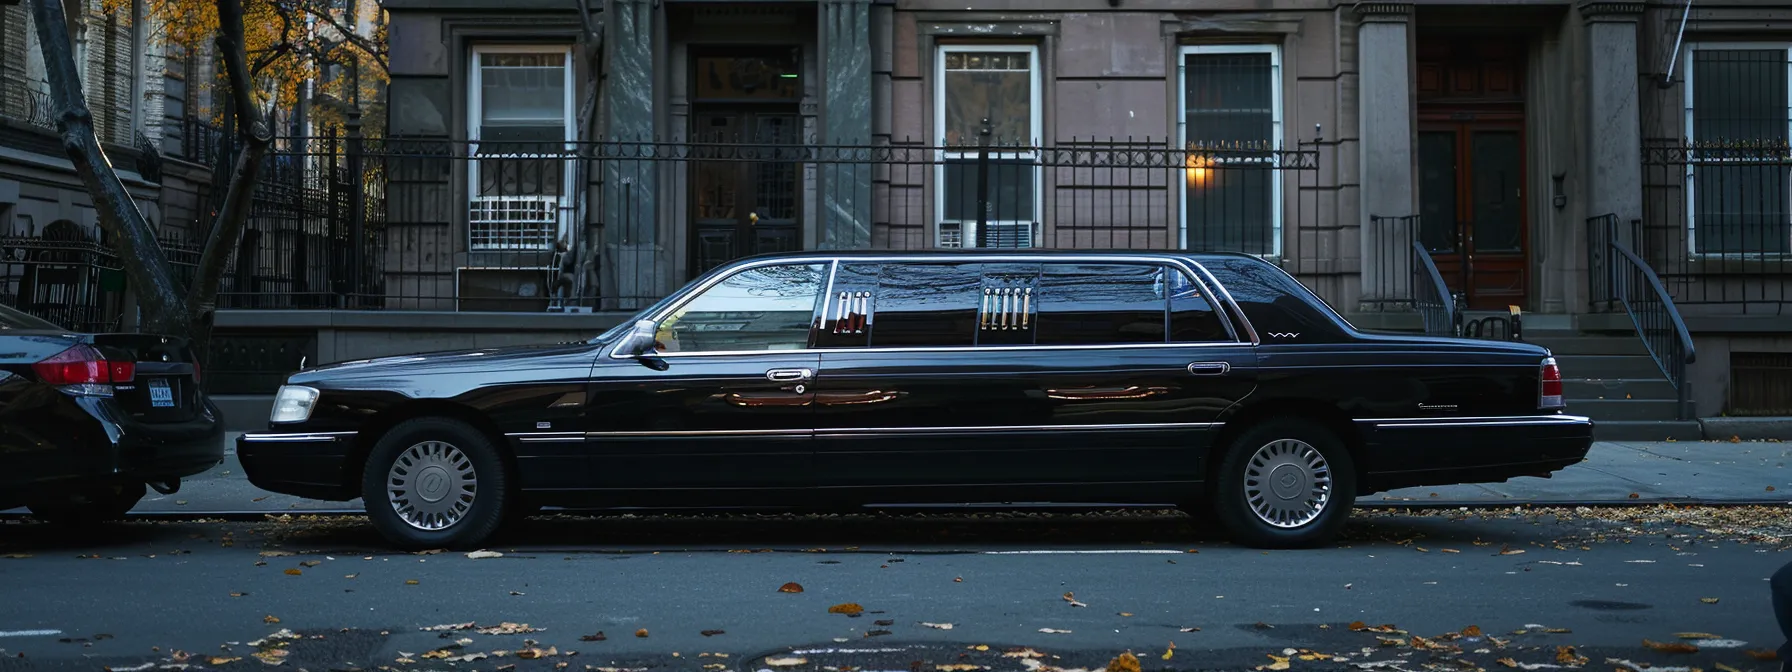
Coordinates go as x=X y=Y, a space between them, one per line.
x=726 y=399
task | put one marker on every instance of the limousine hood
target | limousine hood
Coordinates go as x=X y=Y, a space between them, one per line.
x=481 y=361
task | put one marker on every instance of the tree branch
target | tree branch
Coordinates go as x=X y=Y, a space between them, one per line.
x=202 y=299
x=138 y=251
x=349 y=36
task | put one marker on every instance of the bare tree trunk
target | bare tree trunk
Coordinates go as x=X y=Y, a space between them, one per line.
x=584 y=246
x=145 y=265
x=202 y=297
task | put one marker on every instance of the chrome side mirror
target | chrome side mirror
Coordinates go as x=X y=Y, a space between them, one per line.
x=638 y=341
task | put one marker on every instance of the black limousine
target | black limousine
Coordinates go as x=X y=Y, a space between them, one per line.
x=1211 y=381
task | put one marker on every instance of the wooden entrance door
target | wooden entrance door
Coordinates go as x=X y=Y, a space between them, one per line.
x=1471 y=160
x=1471 y=207
x=744 y=193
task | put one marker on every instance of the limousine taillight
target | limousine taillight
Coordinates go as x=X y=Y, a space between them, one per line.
x=1549 y=385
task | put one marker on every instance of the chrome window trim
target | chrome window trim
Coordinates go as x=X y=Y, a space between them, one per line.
x=954 y=348
x=295 y=437
x=1196 y=271
x=820 y=322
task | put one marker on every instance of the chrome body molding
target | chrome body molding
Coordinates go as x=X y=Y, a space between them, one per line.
x=1488 y=421
x=297 y=437
x=552 y=437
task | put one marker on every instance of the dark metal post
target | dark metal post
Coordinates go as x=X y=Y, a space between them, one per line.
x=983 y=184
x=357 y=205
x=334 y=253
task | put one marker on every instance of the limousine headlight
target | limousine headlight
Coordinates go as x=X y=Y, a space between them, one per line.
x=293 y=403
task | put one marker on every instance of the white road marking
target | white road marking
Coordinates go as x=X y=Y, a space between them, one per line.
x=1149 y=551
x=29 y=633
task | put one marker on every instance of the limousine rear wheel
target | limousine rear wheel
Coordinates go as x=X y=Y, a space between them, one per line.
x=435 y=483
x=1285 y=483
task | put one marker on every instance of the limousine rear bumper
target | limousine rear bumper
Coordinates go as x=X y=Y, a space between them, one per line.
x=1411 y=452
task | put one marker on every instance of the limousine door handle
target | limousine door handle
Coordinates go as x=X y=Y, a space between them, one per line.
x=1209 y=368
x=789 y=375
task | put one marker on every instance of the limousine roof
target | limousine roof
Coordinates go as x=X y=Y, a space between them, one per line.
x=1004 y=252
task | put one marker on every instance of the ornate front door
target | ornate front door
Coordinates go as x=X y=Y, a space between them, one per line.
x=745 y=185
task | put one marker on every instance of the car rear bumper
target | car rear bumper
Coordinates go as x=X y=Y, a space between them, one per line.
x=1410 y=452
x=302 y=464
x=87 y=440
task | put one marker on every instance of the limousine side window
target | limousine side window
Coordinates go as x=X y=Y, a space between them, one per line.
x=925 y=305
x=1100 y=304
x=1192 y=319
x=763 y=308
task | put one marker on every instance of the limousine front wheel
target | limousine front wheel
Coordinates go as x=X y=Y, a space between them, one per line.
x=434 y=483
x=1285 y=483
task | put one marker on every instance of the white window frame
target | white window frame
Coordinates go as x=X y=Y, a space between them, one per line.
x=1692 y=158
x=1275 y=133
x=475 y=110
x=968 y=232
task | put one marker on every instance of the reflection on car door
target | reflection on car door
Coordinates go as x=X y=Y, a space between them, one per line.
x=937 y=374
x=726 y=399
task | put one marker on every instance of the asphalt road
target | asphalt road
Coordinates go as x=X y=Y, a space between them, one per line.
x=1019 y=592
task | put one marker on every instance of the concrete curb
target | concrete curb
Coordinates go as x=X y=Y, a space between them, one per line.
x=1722 y=428
x=252 y=516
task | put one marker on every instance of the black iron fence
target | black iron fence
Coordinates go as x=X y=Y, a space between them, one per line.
x=73 y=280
x=1717 y=225
x=549 y=226
x=1431 y=297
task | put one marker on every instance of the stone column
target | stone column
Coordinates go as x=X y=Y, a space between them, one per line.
x=846 y=124
x=1384 y=94
x=631 y=270
x=1613 y=129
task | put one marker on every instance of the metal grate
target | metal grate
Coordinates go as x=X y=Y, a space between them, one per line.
x=513 y=222
x=1760 y=383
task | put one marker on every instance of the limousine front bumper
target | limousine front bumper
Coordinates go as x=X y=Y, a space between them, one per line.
x=309 y=465
x=1412 y=452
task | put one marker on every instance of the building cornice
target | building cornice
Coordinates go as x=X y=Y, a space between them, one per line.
x=1609 y=9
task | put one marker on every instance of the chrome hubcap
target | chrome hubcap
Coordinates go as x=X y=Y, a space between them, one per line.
x=431 y=485
x=1287 y=483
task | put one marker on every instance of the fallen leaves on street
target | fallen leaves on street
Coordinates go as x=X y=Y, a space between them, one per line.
x=792 y=587
x=1071 y=598
x=849 y=608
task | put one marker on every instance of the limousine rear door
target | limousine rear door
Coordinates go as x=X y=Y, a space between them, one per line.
x=1019 y=373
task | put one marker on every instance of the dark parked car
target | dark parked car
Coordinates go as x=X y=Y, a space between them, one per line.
x=88 y=420
x=1215 y=382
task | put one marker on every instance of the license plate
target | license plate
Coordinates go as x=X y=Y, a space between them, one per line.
x=161 y=395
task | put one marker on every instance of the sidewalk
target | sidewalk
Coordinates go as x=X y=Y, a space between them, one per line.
x=1614 y=473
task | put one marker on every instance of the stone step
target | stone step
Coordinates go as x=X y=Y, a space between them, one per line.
x=1615 y=410
x=1577 y=389
x=1589 y=345
x=1581 y=367
x=1647 y=430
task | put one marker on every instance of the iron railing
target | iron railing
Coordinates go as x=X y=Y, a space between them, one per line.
x=1431 y=297
x=1718 y=224
x=1639 y=290
x=28 y=101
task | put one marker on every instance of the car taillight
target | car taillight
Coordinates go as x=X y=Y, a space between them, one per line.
x=1549 y=385
x=81 y=370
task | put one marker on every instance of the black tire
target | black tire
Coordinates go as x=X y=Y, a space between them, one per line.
x=1233 y=508
x=90 y=506
x=484 y=513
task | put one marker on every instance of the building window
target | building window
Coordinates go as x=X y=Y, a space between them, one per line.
x=998 y=83
x=1231 y=123
x=521 y=128
x=1737 y=121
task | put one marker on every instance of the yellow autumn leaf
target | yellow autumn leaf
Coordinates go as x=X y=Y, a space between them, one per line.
x=1125 y=662
x=294 y=571
x=849 y=608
